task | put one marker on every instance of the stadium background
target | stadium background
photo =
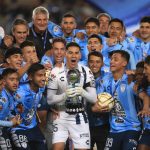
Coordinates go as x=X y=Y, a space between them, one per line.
x=130 y=11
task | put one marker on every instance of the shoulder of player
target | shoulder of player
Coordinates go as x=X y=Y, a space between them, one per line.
x=81 y=67
x=23 y=89
x=4 y=96
x=132 y=39
x=57 y=70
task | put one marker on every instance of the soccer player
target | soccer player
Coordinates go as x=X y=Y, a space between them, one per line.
x=141 y=45
x=104 y=20
x=124 y=122
x=116 y=31
x=68 y=25
x=13 y=59
x=20 y=32
x=73 y=119
x=91 y=27
x=28 y=135
x=95 y=44
x=29 y=56
x=143 y=141
x=10 y=79
x=58 y=48
x=98 y=122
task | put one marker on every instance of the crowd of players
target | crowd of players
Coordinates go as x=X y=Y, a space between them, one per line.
x=39 y=105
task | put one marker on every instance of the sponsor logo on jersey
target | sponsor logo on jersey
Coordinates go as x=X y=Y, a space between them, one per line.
x=84 y=135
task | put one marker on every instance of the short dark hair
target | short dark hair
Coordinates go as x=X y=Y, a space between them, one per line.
x=117 y=20
x=59 y=39
x=26 y=43
x=19 y=22
x=147 y=60
x=140 y=65
x=12 y=51
x=8 y=71
x=145 y=19
x=71 y=44
x=123 y=53
x=69 y=14
x=34 y=68
x=92 y=19
x=95 y=36
x=95 y=53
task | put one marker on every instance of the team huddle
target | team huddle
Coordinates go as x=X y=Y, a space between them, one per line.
x=66 y=88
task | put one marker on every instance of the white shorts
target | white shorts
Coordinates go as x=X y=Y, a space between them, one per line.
x=66 y=126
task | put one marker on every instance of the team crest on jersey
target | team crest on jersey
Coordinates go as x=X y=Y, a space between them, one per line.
x=123 y=87
x=50 y=40
x=17 y=96
x=131 y=39
x=55 y=29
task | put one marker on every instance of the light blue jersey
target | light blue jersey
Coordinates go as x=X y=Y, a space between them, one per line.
x=84 y=51
x=30 y=101
x=147 y=119
x=124 y=45
x=7 y=106
x=123 y=116
x=47 y=59
x=140 y=49
x=97 y=119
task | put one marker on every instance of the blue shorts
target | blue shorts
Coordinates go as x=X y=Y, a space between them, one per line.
x=145 y=137
x=126 y=140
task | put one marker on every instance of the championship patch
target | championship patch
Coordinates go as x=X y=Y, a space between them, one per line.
x=56 y=29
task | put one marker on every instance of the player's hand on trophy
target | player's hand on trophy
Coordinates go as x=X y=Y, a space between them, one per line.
x=79 y=89
x=70 y=92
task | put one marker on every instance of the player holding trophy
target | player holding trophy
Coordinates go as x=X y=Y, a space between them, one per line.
x=68 y=87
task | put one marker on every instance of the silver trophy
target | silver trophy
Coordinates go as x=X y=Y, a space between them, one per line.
x=73 y=77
